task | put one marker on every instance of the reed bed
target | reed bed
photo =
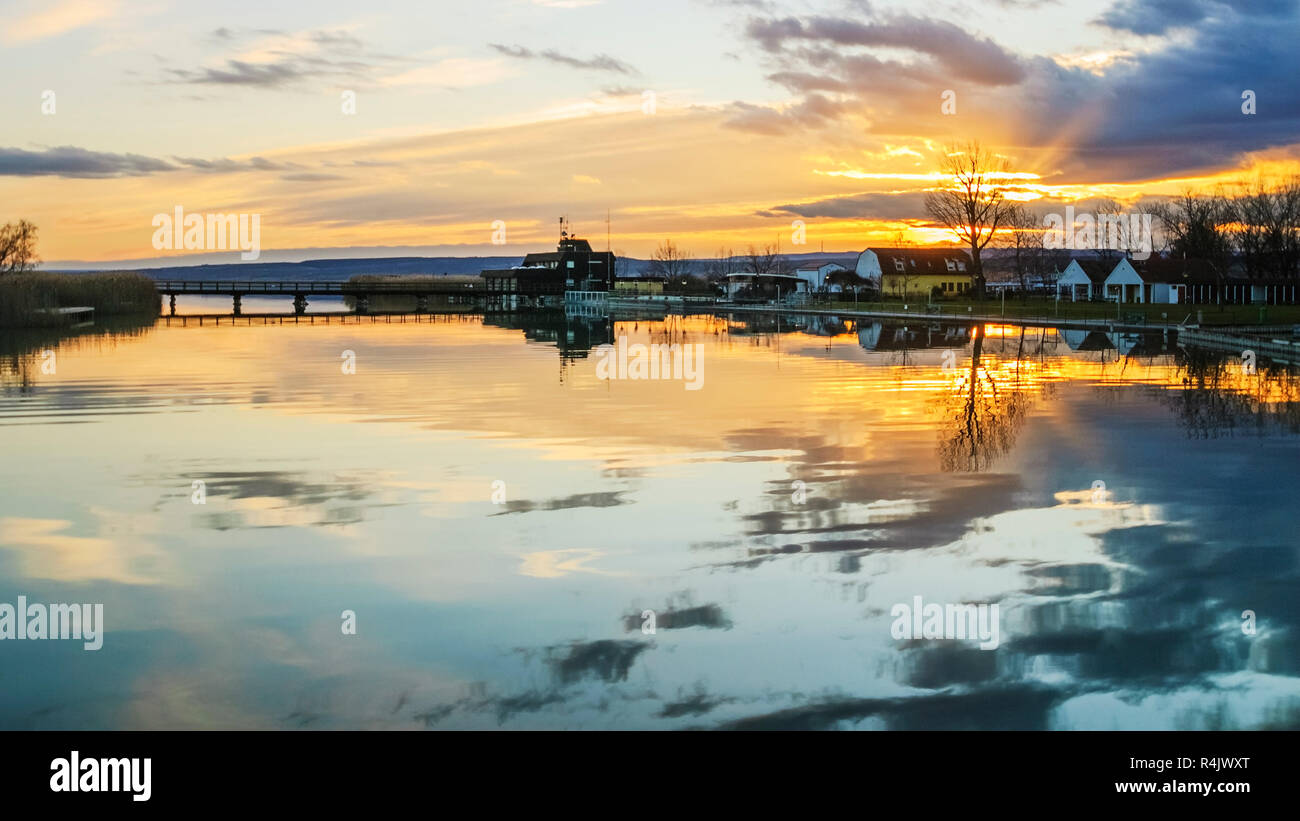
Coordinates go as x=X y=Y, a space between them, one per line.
x=24 y=296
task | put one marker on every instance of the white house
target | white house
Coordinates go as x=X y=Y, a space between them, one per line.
x=1150 y=284
x=1124 y=283
x=815 y=275
x=1082 y=279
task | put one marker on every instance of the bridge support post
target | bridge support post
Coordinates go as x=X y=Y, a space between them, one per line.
x=422 y=304
x=172 y=301
x=237 y=299
x=300 y=304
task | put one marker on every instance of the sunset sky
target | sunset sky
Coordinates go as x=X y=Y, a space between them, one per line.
x=521 y=111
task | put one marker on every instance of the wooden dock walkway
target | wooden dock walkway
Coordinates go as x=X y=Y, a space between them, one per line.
x=422 y=288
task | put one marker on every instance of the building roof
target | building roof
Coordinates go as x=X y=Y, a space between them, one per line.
x=920 y=261
x=817 y=265
x=1096 y=269
x=745 y=274
x=519 y=271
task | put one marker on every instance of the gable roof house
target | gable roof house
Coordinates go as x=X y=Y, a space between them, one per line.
x=917 y=271
x=1158 y=280
x=815 y=274
x=1082 y=278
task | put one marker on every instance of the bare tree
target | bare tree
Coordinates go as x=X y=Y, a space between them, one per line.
x=765 y=260
x=670 y=261
x=1265 y=227
x=1112 y=231
x=723 y=265
x=1024 y=237
x=1196 y=227
x=18 y=247
x=972 y=207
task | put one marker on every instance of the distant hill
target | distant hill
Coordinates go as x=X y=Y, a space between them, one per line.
x=332 y=269
x=342 y=269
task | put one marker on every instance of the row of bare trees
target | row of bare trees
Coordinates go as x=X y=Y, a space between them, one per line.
x=1257 y=223
x=673 y=262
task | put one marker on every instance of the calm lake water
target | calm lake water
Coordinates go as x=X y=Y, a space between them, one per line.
x=500 y=520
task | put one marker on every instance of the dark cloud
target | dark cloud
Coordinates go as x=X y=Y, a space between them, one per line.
x=814 y=109
x=599 y=62
x=287 y=71
x=884 y=206
x=1150 y=17
x=1175 y=110
x=70 y=161
x=1155 y=17
x=224 y=165
x=974 y=59
x=335 y=53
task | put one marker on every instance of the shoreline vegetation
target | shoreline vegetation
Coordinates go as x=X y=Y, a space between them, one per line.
x=27 y=298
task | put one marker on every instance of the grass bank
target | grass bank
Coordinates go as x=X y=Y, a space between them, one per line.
x=24 y=296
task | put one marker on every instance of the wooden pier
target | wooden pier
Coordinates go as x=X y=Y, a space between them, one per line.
x=422 y=288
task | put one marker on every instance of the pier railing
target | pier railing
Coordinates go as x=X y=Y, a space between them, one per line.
x=318 y=287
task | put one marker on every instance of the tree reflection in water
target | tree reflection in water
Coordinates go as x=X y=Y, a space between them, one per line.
x=1219 y=398
x=983 y=410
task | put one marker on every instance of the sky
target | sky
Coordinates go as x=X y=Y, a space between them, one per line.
x=388 y=127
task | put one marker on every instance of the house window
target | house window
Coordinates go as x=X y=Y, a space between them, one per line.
x=898 y=265
x=952 y=264
x=961 y=266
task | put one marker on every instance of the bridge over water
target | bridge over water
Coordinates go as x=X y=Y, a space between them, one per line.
x=421 y=288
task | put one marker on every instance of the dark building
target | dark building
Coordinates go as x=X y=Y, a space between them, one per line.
x=525 y=280
x=572 y=266
x=583 y=269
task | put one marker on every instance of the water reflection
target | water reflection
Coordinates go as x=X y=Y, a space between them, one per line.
x=985 y=407
x=659 y=558
x=1218 y=397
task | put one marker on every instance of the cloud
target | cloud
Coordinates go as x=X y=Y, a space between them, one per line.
x=599 y=62
x=265 y=75
x=73 y=162
x=455 y=72
x=1173 y=110
x=52 y=19
x=277 y=59
x=312 y=177
x=1150 y=17
x=953 y=50
x=70 y=161
x=1157 y=17
x=813 y=109
x=227 y=165
x=881 y=206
